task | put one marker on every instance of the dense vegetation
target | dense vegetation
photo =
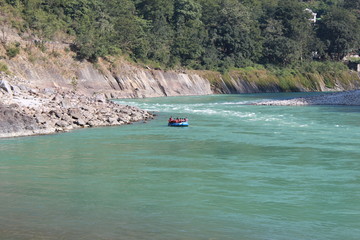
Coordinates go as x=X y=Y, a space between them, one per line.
x=198 y=34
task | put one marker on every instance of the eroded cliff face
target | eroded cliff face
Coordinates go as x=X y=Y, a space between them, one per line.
x=121 y=80
x=126 y=81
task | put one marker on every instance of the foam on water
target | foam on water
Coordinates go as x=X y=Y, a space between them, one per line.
x=215 y=109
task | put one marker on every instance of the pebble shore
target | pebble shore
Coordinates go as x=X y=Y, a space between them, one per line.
x=350 y=98
x=26 y=110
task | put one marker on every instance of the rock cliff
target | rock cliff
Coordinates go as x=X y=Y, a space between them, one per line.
x=117 y=80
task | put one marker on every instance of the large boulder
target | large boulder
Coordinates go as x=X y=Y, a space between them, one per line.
x=6 y=86
x=13 y=121
x=80 y=122
x=40 y=118
x=62 y=124
x=75 y=113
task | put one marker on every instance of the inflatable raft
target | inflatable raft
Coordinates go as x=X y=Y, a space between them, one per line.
x=178 y=122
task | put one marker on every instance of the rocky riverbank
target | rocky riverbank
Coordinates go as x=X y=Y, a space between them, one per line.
x=26 y=110
x=351 y=98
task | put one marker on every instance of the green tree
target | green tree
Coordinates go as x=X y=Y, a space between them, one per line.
x=130 y=29
x=340 y=33
x=288 y=33
x=189 y=33
x=278 y=49
x=93 y=40
x=352 y=4
x=15 y=3
x=233 y=34
x=159 y=14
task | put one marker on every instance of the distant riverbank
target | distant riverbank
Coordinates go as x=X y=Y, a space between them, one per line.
x=351 y=98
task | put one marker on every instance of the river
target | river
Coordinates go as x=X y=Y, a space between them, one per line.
x=239 y=171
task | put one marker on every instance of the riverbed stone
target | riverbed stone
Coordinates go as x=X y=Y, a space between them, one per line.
x=80 y=122
x=74 y=113
x=49 y=91
x=100 y=98
x=112 y=120
x=16 y=90
x=65 y=103
x=34 y=91
x=5 y=86
x=40 y=119
x=62 y=123
x=55 y=113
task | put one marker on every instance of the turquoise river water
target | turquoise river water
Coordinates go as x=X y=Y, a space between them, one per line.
x=239 y=171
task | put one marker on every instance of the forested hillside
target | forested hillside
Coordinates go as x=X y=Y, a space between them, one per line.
x=196 y=34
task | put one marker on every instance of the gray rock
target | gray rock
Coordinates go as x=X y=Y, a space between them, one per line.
x=112 y=120
x=55 y=113
x=59 y=129
x=74 y=113
x=80 y=122
x=104 y=111
x=14 y=105
x=124 y=118
x=24 y=88
x=49 y=91
x=108 y=95
x=100 y=98
x=40 y=119
x=61 y=124
x=13 y=121
x=34 y=91
x=16 y=90
x=87 y=115
x=66 y=103
x=58 y=98
x=66 y=118
x=6 y=86
x=93 y=123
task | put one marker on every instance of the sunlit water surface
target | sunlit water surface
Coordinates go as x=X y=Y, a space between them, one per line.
x=238 y=172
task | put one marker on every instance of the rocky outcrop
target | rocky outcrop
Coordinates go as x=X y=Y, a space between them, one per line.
x=135 y=82
x=28 y=111
x=13 y=121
